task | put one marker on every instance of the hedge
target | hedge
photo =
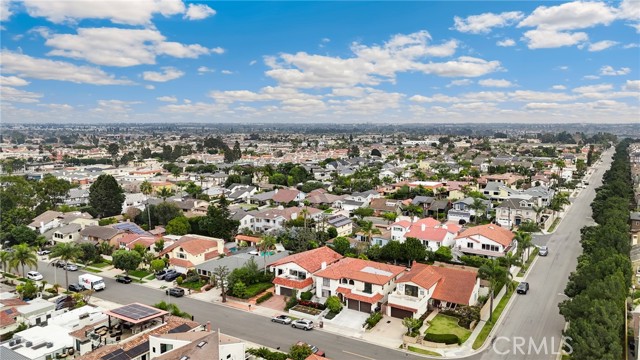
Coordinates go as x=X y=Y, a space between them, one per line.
x=255 y=289
x=373 y=319
x=442 y=338
x=264 y=298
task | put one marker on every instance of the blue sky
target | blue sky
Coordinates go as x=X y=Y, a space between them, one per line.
x=93 y=61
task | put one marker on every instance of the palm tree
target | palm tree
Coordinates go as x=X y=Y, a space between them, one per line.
x=524 y=241
x=479 y=207
x=146 y=188
x=265 y=245
x=164 y=193
x=176 y=171
x=539 y=210
x=5 y=258
x=368 y=228
x=67 y=252
x=496 y=275
x=23 y=255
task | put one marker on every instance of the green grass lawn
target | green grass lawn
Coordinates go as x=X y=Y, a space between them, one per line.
x=92 y=270
x=443 y=324
x=139 y=273
x=100 y=265
x=150 y=277
x=489 y=325
x=255 y=289
x=554 y=225
x=524 y=268
x=193 y=285
x=422 y=351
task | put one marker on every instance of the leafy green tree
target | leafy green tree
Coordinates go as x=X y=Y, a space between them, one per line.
x=497 y=277
x=368 y=229
x=392 y=251
x=362 y=212
x=23 y=255
x=217 y=223
x=146 y=188
x=157 y=265
x=51 y=192
x=90 y=253
x=106 y=196
x=374 y=252
x=299 y=352
x=524 y=241
x=333 y=304
x=165 y=193
x=158 y=246
x=239 y=289
x=390 y=217
x=411 y=324
x=412 y=249
x=443 y=254
x=67 y=252
x=126 y=260
x=22 y=235
x=341 y=245
x=165 y=212
x=193 y=190
x=27 y=290
x=178 y=226
x=266 y=245
x=220 y=275
x=5 y=259
x=479 y=207
x=332 y=232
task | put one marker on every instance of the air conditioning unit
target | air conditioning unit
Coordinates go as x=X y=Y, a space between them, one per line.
x=28 y=344
x=49 y=344
x=12 y=343
x=18 y=340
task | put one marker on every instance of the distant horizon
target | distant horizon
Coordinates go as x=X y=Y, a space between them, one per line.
x=306 y=62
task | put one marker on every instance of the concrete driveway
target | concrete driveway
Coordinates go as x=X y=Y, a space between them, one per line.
x=388 y=332
x=348 y=319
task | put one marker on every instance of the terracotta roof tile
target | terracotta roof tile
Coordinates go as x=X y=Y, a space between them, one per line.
x=456 y=285
x=361 y=270
x=247 y=238
x=294 y=284
x=194 y=244
x=349 y=295
x=422 y=275
x=311 y=260
x=494 y=232
x=181 y=262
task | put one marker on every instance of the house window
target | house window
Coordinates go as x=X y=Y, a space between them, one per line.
x=367 y=288
x=301 y=275
x=411 y=290
x=165 y=347
x=490 y=247
x=470 y=245
x=182 y=256
x=326 y=282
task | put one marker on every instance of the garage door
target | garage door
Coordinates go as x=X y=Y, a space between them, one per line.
x=353 y=304
x=365 y=307
x=400 y=313
x=286 y=291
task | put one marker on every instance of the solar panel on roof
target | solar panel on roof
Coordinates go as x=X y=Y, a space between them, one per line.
x=138 y=350
x=132 y=227
x=135 y=311
x=180 y=329
x=117 y=354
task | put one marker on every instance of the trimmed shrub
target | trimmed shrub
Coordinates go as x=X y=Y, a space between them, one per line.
x=373 y=319
x=314 y=305
x=306 y=296
x=264 y=298
x=179 y=280
x=443 y=338
x=334 y=304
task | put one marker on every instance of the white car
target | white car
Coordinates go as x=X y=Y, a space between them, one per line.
x=254 y=252
x=34 y=275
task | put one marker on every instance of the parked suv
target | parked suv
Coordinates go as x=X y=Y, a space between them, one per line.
x=161 y=274
x=302 y=324
x=75 y=287
x=523 y=288
x=170 y=276
x=177 y=292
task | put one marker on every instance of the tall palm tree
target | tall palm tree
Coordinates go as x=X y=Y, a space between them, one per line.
x=164 y=193
x=368 y=228
x=5 y=258
x=496 y=275
x=524 y=241
x=67 y=252
x=23 y=255
x=146 y=188
x=479 y=207
x=265 y=245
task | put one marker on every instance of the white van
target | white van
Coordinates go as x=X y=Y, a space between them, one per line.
x=90 y=281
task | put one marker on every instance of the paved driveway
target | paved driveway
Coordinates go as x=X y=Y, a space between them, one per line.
x=349 y=319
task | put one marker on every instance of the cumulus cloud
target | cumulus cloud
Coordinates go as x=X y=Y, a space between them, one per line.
x=44 y=69
x=120 y=47
x=5 y=10
x=170 y=99
x=601 y=45
x=570 y=16
x=544 y=38
x=226 y=72
x=559 y=87
x=138 y=12
x=632 y=85
x=199 y=12
x=629 y=10
x=461 y=82
x=495 y=83
x=483 y=23
x=593 y=88
x=591 y=77
x=10 y=94
x=608 y=70
x=12 y=81
x=506 y=43
x=168 y=74
x=204 y=69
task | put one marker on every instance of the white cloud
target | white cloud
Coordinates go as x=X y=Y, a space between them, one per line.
x=632 y=85
x=199 y=12
x=44 y=69
x=204 y=69
x=149 y=87
x=630 y=10
x=483 y=23
x=570 y=16
x=610 y=71
x=591 y=77
x=57 y=107
x=21 y=96
x=632 y=45
x=5 y=10
x=559 y=87
x=602 y=45
x=502 y=83
x=267 y=93
x=168 y=74
x=544 y=39
x=12 y=81
x=635 y=26
x=461 y=82
x=593 y=88
x=527 y=95
x=139 y=12
x=420 y=99
x=252 y=62
x=114 y=106
x=226 y=72
x=464 y=66
x=120 y=47
x=170 y=99
x=506 y=43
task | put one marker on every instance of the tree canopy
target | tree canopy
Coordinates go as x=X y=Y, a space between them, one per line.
x=106 y=196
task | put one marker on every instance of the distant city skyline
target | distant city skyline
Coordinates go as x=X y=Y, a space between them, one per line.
x=151 y=61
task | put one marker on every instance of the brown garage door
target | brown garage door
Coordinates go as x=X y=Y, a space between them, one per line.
x=365 y=307
x=353 y=304
x=286 y=291
x=400 y=313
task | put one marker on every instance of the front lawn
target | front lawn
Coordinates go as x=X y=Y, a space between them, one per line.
x=139 y=273
x=193 y=285
x=489 y=324
x=255 y=289
x=422 y=351
x=100 y=265
x=443 y=324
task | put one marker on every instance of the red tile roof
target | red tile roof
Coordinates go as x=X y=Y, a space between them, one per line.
x=493 y=232
x=294 y=284
x=351 y=296
x=361 y=270
x=456 y=285
x=430 y=234
x=311 y=260
x=422 y=275
x=285 y=195
x=8 y=316
x=181 y=262
x=247 y=238
x=194 y=244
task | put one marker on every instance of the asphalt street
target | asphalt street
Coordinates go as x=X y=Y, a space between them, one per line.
x=532 y=326
x=533 y=316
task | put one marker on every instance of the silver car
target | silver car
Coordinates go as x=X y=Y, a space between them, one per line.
x=544 y=251
x=302 y=324
x=282 y=319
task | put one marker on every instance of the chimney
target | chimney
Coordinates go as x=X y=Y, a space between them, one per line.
x=323 y=265
x=208 y=326
x=423 y=227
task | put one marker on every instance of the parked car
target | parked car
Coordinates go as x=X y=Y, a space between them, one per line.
x=282 y=319
x=177 y=292
x=523 y=288
x=314 y=349
x=544 y=251
x=172 y=276
x=59 y=263
x=302 y=324
x=75 y=287
x=161 y=274
x=44 y=252
x=123 y=279
x=254 y=252
x=34 y=275
x=71 y=267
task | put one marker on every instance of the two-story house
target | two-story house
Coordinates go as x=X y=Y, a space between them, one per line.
x=362 y=284
x=490 y=241
x=99 y=234
x=191 y=250
x=364 y=197
x=46 y=221
x=274 y=219
x=67 y=233
x=497 y=191
x=513 y=212
x=381 y=206
x=426 y=286
x=463 y=209
x=428 y=230
x=285 y=196
x=342 y=224
x=295 y=272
